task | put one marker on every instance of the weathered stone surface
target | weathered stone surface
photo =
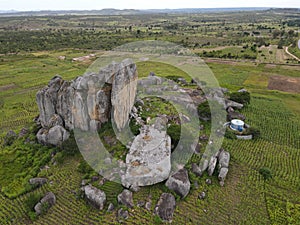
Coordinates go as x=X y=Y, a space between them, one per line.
x=203 y=165
x=38 y=208
x=212 y=165
x=122 y=214
x=47 y=99
x=87 y=101
x=95 y=196
x=196 y=170
x=224 y=159
x=235 y=115
x=38 y=181
x=149 y=158
x=148 y=205
x=24 y=131
x=232 y=104
x=48 y=199
x=10 y=137
x=179 y=183
x=54 y=136
x=208 y=181
x=223 y=174
x=165 y=207
x=125 y=198
x=202 y=195
x=111 y=207
x=123 y=93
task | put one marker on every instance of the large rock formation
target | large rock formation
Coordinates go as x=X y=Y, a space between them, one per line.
x=149 y=158
x=86 y=102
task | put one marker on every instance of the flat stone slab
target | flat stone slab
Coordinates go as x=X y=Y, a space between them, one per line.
x=149 y=158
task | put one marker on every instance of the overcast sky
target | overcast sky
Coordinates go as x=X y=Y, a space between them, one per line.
x=140 y=4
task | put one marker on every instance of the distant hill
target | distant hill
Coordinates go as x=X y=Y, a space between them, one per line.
x=125 y=11
x=135 y=11
x=7 y=11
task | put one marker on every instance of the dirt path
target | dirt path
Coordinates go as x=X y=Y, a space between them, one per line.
x=287 y=51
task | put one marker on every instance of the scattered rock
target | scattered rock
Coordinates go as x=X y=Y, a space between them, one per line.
x=122 y=214
x=196 y=185
x=208 y=181
x=94 y=178
x=135 y=188
x=232 y=104
x=125 y=198
x=38 y=181
x=224 y=159
x=202 y=195
x=230 y=110
x=182 y=81
x=196 y=170
x=198 y=148
x=140 y=204
x=235 y=115
x=179 y=183
x=24 y=131
x=10 y=137
x=149 y=158
x=48 y=199
x=223 y=174
x=242 y=90
x=95 y=196
x=165 y=207
x=111 y=207
x=54 y=136
x=148 y=205
x=203 y=165
x=203 y=137
x=212 y=165
x=84 y=182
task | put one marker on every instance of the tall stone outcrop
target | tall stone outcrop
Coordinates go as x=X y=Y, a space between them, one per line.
x=87 y=102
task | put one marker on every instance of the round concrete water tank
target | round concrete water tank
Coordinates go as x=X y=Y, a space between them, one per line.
x=237 y=125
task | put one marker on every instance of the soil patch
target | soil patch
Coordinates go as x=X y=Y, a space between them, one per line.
x=7 y=87
x=286 y=84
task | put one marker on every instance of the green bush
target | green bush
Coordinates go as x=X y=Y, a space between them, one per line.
x=204 y=110
x=266 y=173
x=254 y=132
x=230 y=134
x=69 y=147
x=135 y=128
x=174 y=131
x=241 y=97
x=84 y=168
x=31 y=201
x=59 y=157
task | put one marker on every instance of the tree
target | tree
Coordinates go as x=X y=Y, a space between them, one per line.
x=241 y=97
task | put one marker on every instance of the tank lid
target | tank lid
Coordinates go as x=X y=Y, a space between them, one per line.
x=238 y=122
